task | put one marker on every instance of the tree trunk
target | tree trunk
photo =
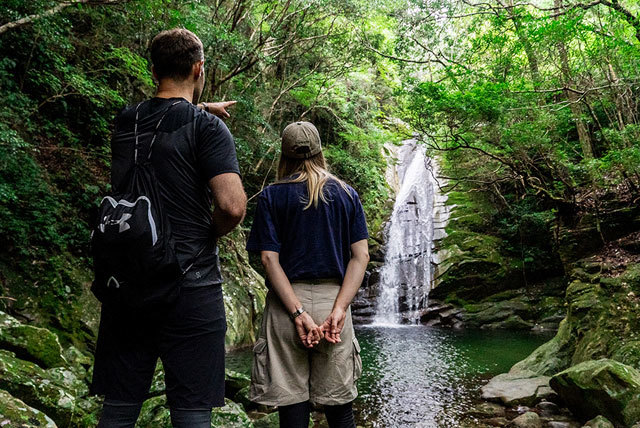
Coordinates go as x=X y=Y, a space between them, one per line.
x=574 y=100
x=532 y=59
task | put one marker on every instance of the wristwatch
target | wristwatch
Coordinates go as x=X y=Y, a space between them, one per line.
x=297 y=313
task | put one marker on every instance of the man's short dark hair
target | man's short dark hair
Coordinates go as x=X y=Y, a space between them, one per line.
x=173 y=53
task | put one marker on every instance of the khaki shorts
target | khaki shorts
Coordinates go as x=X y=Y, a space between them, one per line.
x=284 y=372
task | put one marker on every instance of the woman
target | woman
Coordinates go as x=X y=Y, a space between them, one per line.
x=310 y=230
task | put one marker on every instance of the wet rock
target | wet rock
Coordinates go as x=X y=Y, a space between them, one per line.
x=14 y=413
x=547 y=408
x=487 y=410
x=526 y=420
x=31 y=343
x=496 y=422
x=601 y=387
x=516 y=388
x=44 y=390
x=562 y=424
x=599 y=422
x=514 y=322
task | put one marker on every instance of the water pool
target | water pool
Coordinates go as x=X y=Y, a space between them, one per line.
x=417 y=376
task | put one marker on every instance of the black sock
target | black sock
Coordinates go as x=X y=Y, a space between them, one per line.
x=118 y=414
x=295 y=415
x=340 y=416
x=185 y=418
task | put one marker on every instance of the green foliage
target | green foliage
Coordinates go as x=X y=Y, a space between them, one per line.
x=64 y=76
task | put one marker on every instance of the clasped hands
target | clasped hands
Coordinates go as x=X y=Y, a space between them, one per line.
x=311 y=334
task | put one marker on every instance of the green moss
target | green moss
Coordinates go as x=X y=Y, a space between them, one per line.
x=40 y=389
x=244 y=292
x=15 y=413
x=601 y=387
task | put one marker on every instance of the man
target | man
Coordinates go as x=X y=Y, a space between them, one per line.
x=195 y=162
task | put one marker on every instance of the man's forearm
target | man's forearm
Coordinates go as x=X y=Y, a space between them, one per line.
x=223 y=223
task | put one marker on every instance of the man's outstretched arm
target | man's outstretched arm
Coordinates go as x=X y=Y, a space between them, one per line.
x=229 y=200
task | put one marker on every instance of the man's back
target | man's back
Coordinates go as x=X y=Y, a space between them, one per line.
x=191 y=147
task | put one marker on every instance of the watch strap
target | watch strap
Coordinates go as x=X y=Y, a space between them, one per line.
x=297 y=313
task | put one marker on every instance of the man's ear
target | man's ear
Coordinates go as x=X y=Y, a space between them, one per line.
x=155 y=75
x=198 y=69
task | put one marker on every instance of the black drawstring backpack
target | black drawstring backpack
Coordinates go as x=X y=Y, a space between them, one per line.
x=133 y=251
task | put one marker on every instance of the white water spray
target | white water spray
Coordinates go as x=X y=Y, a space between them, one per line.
x=406 y=276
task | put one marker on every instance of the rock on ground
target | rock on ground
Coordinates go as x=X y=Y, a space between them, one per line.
x=599 y=422
x=47 y=391
x=14 y=413
x=526 y=420
x=517 y=388
x=155 y=414
x=601 y=387
x=31 y=343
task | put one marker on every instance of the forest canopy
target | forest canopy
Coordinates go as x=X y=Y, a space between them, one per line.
x=533 y=104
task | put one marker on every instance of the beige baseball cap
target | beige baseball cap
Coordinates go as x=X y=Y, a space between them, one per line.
x=300 y=140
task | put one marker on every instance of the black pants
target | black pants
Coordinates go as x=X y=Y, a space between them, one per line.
x=297 y=415
x=188 y=336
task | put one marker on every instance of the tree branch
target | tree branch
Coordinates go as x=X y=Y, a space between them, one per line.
x=30 y=18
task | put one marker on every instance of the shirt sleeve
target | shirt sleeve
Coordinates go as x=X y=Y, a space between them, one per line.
x=358 y=227
x=216 y=148
x=263 y=235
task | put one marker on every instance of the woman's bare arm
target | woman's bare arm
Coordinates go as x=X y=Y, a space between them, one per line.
x=356 y=268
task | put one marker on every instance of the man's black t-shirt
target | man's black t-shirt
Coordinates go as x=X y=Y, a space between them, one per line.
x=191 y=147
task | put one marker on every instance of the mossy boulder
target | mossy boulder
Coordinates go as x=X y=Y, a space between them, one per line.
x=551 y=357
x=31 y=343
x=603 y=321
x=46 y=391
x=507 y=314
x=599 y=422
x=235 y=381
x=244 y=292
x=514 y=388
x=14 y=413
x=155 y=414
x=232 y=415
x=527 y=420
x=601 y=387
x=272 y=420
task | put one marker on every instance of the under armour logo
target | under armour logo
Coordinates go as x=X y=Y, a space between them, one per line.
x=121 y=222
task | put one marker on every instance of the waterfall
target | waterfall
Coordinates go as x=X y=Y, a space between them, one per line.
x=406 y=276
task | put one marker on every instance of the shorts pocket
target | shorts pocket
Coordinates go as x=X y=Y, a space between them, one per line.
x=259 y=372
x=357 y=360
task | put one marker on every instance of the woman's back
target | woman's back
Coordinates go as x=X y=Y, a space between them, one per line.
x=314 y=242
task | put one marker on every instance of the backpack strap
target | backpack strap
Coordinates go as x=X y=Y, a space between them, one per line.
x=153 y=139
x=155 y=131
x=195 y=259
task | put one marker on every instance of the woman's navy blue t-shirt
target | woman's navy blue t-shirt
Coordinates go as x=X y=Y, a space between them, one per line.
x=313 y=243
